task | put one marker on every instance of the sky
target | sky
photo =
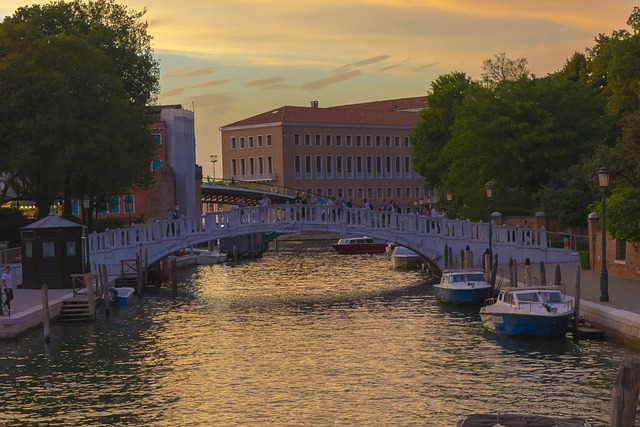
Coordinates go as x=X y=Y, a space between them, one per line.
x=231 y=59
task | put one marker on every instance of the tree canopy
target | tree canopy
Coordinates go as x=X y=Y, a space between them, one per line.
x=74 y=80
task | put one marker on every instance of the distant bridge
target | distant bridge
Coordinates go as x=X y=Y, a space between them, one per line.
x=430 y=237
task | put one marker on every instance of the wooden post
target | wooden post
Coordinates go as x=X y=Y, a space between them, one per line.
x=139 y=274
x=543 y=275
x=511 y=284
x=515 y=273
x=174 y=278
x=165 y=269
x=487 y=269
x=45 y=312
x=576 y=307
x=90 y=296
x=104 y=278
x=527 y=272
x=624 y=399
x=558 y=276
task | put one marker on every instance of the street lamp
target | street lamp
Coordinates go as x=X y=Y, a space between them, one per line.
x=603 y=183
x=85 y=208
x=449 y=198
x=489 y=188
x=214 y=160
x=86 y=200
x=129 y=206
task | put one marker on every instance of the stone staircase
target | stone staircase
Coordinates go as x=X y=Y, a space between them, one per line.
x=74 y=309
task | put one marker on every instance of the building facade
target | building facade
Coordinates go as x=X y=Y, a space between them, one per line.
x=361 y=151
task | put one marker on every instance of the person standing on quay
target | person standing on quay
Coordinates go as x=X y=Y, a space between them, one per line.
x=7 y=284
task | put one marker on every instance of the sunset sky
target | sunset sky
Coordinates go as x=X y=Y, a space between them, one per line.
x=232 y=59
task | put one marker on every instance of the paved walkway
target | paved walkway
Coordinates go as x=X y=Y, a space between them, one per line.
x=621 y=315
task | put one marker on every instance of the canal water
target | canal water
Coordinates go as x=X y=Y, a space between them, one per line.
x=301 y=337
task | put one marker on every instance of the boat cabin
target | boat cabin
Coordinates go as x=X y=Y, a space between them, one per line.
x=355 y=241
x=463 y=277
x=531 y=296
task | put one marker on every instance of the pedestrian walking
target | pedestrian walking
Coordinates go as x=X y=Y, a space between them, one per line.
x=7 y=285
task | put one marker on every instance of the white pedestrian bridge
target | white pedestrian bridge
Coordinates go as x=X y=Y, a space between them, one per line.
x=430 y=237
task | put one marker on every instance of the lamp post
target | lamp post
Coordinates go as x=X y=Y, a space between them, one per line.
x=449 y=199
x=86 y=200
x=489 y=188
x=129 y=206
x=603 y=182
x=214 y=160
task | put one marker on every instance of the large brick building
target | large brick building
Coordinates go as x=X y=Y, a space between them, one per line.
x=360 y=150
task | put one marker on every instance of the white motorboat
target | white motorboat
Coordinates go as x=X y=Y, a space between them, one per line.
x=405 y=258
x=539 y=311
x=209 y=257
x=463 y=287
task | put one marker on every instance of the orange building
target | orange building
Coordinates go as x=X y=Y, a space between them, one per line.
x=361 y=151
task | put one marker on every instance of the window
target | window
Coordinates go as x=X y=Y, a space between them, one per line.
x=259 y=141
x=252 y=170
x=307 y=139
x=158 y=138
x=296 y=139
x=234 y=167
x=370 y=195
x=329 y=163
x=387 y=141
x=297 y=167
x=389 y=193
x=339 y=167
x=349 y=166
x=378 y=141
x=318 y=140
x=380 y=193
x=349 y=142
x=407 y=167
x=621 y=250
x=389 y=167
x=379 y=167
x=338 y=140
x=48 y=250
x=307 y=167
x=155 y=164
x=243 y=167
x=369 y=141
x=232 y=140
x=250 y=142
x=398 y=193
x=268 y=140
x=241 y=142
x=260 y=166
x=28 y=249
x=327 y=140
x=319 y=167
x=407 y=142
x=71 y=249
x=398 y=141
x=269 y=164
x=398 y=167
x=369 y=167
x=359 y=167
x=360 y=194
x=407 y=193
x=358 y=140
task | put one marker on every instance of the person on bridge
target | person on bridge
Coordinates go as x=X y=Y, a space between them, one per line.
x=264 y=203
x=7 y=284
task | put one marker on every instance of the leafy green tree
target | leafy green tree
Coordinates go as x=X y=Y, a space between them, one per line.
x=72 y=122
x=623 y=221
x=499 y=68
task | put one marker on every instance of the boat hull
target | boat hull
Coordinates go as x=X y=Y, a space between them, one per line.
x=468 y=296
x=124 y=294
x=365 y=248
x=510 y=324
x=405 y=262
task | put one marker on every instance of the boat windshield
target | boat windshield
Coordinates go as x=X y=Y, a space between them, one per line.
x=550 y=296
x=471 y=277
x=527 y=296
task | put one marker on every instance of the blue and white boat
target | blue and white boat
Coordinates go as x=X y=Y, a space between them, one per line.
x=463 y=287
x=120 y=295
x=539 y=311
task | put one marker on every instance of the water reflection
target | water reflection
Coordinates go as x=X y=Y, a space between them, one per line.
x=303 y=336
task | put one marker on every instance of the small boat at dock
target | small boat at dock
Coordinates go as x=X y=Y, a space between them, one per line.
x=121 y=295
x=518 y=420
x=463 y=287
x=539 y=311
x=404 y=258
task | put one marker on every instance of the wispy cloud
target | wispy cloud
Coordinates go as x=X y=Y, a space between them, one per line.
x=364 y=62
x=266 y=82
x=172 y=92
x=425 y=66
x=322 y=83
x=209 y=83
x=180 y=72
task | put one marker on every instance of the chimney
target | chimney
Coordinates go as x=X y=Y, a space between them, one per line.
x=314 y=104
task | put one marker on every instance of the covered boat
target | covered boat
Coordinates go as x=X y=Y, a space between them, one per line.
x=519 y=420
x=539 y=311
x=359 y=245
x=405 y=258
x=463 y=287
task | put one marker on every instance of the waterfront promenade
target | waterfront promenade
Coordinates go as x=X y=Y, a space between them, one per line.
x=620 y=317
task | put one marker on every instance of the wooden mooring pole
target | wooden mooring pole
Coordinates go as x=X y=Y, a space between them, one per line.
x=174 y=278
x=45 y=312
x=576 y=308
x=624 y=399
x=104 y=279
x=90 y=296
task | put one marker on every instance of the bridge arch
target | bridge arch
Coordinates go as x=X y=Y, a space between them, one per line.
x=429 y=237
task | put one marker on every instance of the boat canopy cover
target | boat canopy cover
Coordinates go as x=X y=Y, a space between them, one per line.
x=519 y=420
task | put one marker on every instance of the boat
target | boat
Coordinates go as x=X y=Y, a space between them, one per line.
x=121 y=295
x=539 y=311
x=209 y=257
x=463 y=287
x=518 y=420
x=405 y=258
x=359 y=245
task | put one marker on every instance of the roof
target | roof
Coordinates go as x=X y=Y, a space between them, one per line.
x=396 y=112
x=51 y=221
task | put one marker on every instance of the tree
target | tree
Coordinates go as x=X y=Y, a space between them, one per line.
x=72 y=122
x=500 y=68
